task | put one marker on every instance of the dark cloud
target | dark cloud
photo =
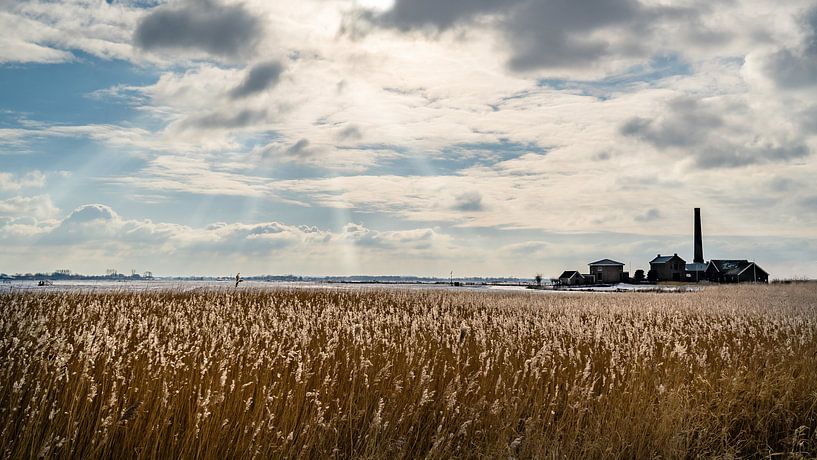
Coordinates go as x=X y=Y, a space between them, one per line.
x=649 y=216
x=298 y=148
x=406 y=15
x=691 y=129
x=469 y=202
x=241 y=119
x=205 y=25
x=546 y=33
x=683 y=126
x=259 y=78
x=350 y=133
x=602 y=156
x=782 y=184
x=796 y=67
x=808 y=119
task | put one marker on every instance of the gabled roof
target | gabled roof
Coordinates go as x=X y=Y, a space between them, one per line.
x=729 y=266
x=756 y=268
x=664 y=259
x=569 y=274
x=734 y=267
x=606 y=262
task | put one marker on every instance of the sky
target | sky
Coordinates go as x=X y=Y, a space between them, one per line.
x=413 y=137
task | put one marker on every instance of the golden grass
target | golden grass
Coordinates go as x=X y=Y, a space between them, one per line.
x=729 y=371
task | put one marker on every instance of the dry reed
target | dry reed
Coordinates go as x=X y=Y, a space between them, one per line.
x=729 y=371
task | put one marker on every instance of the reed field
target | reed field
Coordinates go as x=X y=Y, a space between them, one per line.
x=729 y=371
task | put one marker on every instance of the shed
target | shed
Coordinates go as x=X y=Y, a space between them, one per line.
x=571 y=278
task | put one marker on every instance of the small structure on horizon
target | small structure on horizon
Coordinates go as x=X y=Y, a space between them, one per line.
x=571 y=278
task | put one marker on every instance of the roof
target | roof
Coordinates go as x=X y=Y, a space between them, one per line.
x=756 y=268
x=569 y=274
x=606 y=262
x=734 y=266
x=664 y=259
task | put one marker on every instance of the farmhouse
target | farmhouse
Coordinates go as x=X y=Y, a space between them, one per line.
x=735 y=271
x=669 y=268
x=607 y=271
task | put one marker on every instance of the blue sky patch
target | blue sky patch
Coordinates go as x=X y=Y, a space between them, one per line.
x=657 y=69
x=63 y=93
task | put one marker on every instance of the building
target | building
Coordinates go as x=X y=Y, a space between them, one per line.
x=735 y=271
x=720 y=270
x=571 y=278
x=607 y=271
x=696 y=272
x=669 y=268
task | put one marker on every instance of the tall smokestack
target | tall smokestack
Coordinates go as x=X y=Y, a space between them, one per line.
x=699 y=244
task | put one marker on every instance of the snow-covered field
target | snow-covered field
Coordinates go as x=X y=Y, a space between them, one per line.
x=187 y=285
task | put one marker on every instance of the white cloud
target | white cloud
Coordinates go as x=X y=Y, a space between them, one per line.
x=38 y=207
x=14 y=183
x=42 y=31
x=389 y=121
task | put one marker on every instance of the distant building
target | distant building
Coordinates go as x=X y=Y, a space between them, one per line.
x=720 y=270
x=669 y=268
x=607 y=271
x=571 y=278
x=735 y=271
x=696 y=272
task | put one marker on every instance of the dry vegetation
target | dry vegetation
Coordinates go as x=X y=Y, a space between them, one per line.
x=728 y=371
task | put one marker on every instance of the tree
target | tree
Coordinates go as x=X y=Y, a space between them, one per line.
x=652 y=276
x=538 y=279
x=639 y=276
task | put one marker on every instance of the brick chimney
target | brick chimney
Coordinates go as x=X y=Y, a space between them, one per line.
x=699 y=244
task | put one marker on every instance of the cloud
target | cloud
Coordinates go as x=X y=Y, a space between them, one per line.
x=468 y=202
x=550 y=34
x=529 y=249
x=94 y=227
x=222 y=30
x=350 y=133
x=12 y=183
x=91 y=213
x=259 y=78
x=423 y=238
x=220 y=120
x=298 y=148
x=50 y=32
x=407 y=14
x=39 y=207
x=704 y=133
x=796 y=67
x=649 y=216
